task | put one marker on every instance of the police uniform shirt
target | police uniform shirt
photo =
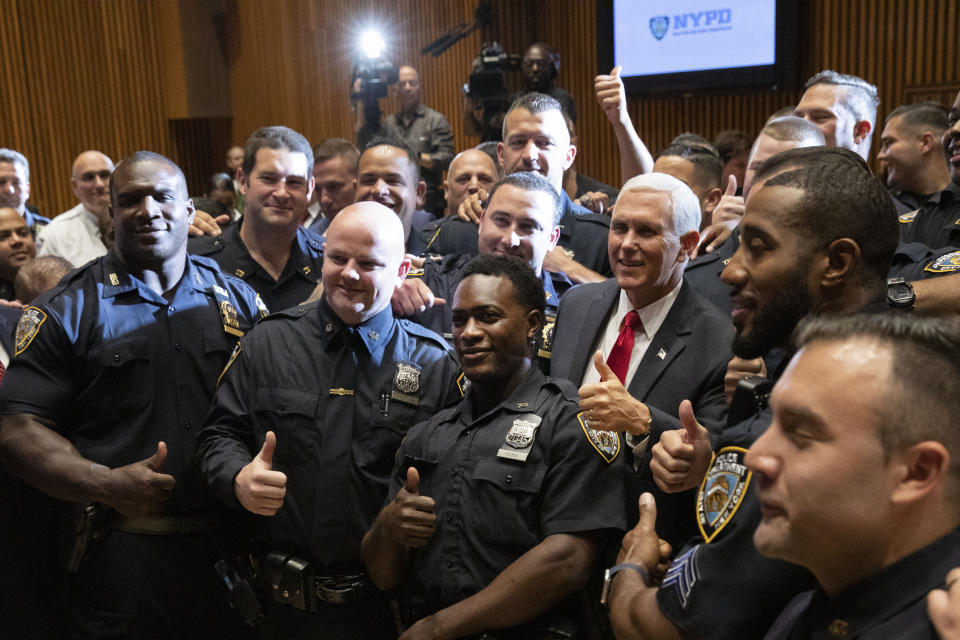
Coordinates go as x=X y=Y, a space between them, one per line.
x=117 y=368
x=297 y=281
x=914 y=261
x=35 y=221
x=583 y=236
x=891 y=603
x=492 y=505
x=934 y=219
x=442 y=277
x=339 y=400
x=6 y=290
x=703 y=272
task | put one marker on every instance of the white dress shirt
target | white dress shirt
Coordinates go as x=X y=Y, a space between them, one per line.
x=73 y=235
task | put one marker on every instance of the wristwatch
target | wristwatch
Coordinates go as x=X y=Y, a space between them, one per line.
x=900 y=294
x=614 y=570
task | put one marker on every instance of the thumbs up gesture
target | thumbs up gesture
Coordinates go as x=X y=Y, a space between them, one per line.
x=731 y=206
x=409 y=519
x=642 y=546
x=609 y=406
x=682 y=456
x=258 y=487
x=140 y=488
x=611 y=96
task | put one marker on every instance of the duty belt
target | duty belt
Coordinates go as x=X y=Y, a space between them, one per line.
x=346 y=589
x=292 y=581
x=165 y=524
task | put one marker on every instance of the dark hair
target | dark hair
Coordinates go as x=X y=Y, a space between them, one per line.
x=552 y=56
x=534 y=103
x=925 y=377
x=531 y=181
x=842 y=199
x=527 y=287
x=276 y=137
x=706 y=165
x=490 y=148
x=389 y=141
x=149 y=156
x=695 y=140
x=861 y=98
x=213 y=207
x=930 y=116
x=337 y=148
x=731 y=142
x=219 y=181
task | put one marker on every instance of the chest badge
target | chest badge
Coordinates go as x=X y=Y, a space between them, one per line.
x=520 y=437
x=406 y=383
x=722 y=491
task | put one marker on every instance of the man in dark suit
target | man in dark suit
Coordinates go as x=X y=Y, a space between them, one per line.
x=644 y=341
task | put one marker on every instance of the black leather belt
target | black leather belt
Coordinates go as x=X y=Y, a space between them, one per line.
x=346 y=589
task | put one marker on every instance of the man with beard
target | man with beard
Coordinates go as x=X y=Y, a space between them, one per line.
x=817 y=236
x=82 y=233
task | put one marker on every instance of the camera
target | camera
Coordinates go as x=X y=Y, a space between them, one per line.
x=375 y=72
x=487 y=88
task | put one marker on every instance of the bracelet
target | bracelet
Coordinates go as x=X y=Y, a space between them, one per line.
x=614 y=570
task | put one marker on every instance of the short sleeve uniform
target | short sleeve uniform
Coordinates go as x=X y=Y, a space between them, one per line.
x=934 y=220
x=503 y=481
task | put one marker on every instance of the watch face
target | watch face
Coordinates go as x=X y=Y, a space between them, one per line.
x=900 y=294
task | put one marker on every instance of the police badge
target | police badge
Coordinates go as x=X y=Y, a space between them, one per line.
x=546 y=336
x=659 y=26
x=520 y=437
x=27 y=328
x=406 y=383
x=722 y=491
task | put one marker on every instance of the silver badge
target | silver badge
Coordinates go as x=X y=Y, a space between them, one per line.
x=406 y=383
x=519 y=440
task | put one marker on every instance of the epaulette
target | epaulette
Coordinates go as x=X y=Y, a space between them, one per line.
x=291 y=313
x=313 y=240
x=596 y=218
x=205 y=245
x=419 y=330
x=566 y=388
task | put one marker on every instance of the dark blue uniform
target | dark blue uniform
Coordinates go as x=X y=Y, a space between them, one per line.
x=116 y=368
x=491 y=505
x=914 y=261
x=704 y=272
x=933 y=220
x=297 y=281
x=340 y=399
x=891 y=603
x=34 y=221
x=583 y=235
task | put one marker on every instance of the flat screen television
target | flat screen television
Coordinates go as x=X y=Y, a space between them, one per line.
x=685 y=45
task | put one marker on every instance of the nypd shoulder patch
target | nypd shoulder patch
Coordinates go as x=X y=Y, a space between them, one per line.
x=908 y=217
x=722 y=491
x=606 y=443
x=944 y=264
x=28 y=327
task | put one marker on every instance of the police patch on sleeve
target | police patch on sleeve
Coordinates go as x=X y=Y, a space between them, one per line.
x=722 y=491
x=944 y=264
x=607 y=443
x=908 y=217
x=28 y=327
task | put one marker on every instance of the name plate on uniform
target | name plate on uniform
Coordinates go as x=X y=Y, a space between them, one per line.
x=519 y=440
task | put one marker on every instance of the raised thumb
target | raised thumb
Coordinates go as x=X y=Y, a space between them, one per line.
x=648 y=512
x=731 y=186
x=616 y=71
x=266 y=451
x=155 y=462
x=606 y=373
x=413 y=481
x=691 y=428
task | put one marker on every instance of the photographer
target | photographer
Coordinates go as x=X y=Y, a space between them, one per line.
x=424 y=130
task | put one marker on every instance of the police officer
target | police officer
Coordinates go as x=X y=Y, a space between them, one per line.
x=502 y=503
x=521 y=219
x=269 y=249
x=114 y=371
x=325 y=392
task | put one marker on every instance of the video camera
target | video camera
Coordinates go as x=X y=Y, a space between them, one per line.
x=487 y=87
x=375 y=72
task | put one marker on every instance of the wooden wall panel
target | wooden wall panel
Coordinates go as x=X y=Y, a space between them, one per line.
x=84 y=74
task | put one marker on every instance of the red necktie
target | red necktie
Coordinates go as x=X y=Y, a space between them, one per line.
x=3 y=371
x=619 y=358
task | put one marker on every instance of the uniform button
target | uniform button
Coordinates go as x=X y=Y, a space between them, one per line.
x=451 y=518
x=180 y=385
x=116 y=357
x=187 y=424
x=177 y=346
x=172 y=309
x=508 y=479
x=454 y=471
x=283 y=406
x=449 y=564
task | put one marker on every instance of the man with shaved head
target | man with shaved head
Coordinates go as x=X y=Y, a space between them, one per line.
x=113 y=371
x=83 y=232
x=308 y=418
